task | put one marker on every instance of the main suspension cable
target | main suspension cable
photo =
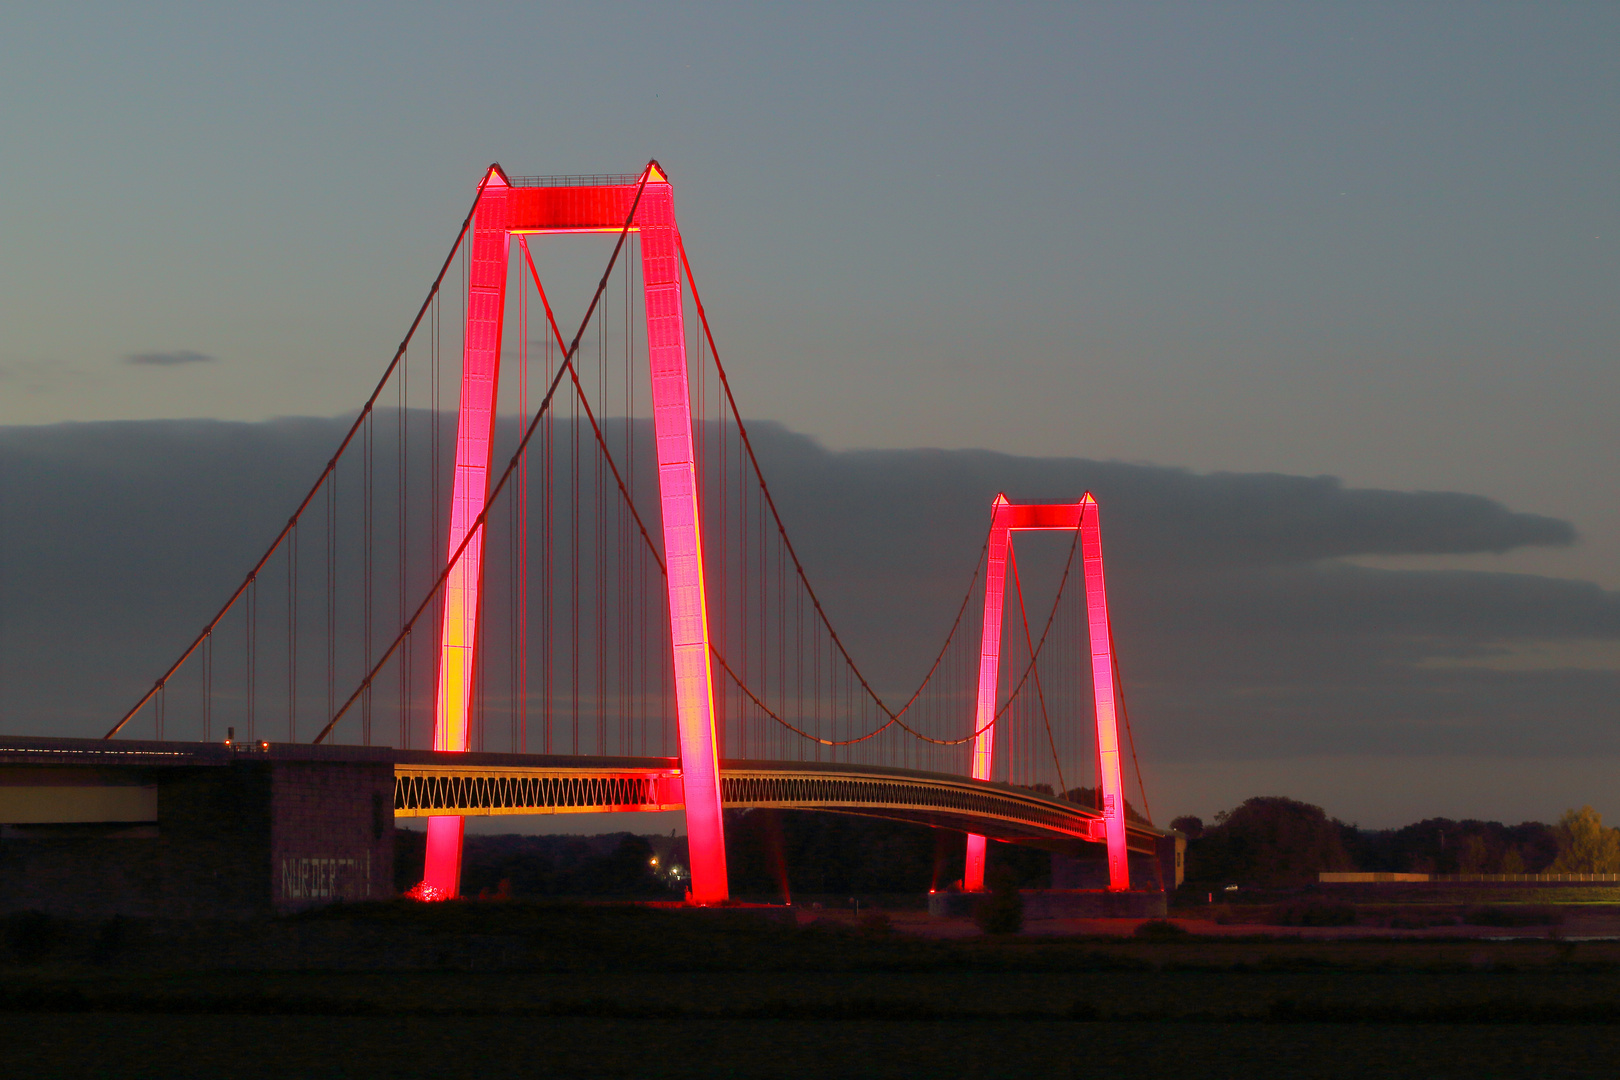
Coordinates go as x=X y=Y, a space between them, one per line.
x=477 y=525
x=781 y=528
x=892 y=715
x=331 y=465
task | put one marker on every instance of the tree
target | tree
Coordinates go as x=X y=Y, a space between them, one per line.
x=1444 y=846
x=1002 y=911
x=1472 y=855
x=1189 y=825
x=1269 y=840
x=1585 y=846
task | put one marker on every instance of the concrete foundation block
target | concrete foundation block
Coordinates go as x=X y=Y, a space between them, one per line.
x=1062 y=904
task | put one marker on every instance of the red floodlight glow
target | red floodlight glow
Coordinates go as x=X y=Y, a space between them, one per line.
x=1007 y=518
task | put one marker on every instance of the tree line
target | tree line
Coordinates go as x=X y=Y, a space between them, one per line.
x=1272 y=840
x=771 y=855
x=781 y=854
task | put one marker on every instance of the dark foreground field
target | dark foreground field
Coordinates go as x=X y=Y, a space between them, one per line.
x=564 y=990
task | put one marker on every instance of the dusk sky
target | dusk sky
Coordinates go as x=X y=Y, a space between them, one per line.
x=1376 y=242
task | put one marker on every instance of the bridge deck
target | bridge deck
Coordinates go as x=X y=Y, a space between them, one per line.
x=428 y=784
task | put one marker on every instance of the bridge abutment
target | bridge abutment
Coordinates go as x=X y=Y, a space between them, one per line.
x=1062 y=904
x=92 y=829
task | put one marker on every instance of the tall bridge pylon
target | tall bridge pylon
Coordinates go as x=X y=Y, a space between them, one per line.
x=1006 y=519
x=647 y=207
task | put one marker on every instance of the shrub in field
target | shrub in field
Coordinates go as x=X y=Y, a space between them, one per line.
x=1161 y=930
x=1420 y=920
x=1002 y=911
x=1313 y=913
x=109 y=941
x=30 y=935
x=877 y=922
x=1512 y=916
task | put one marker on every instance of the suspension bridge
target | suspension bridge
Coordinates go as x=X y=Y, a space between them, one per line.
x=592 y=568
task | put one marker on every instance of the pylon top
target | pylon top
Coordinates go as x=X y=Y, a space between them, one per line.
x=1032 y=516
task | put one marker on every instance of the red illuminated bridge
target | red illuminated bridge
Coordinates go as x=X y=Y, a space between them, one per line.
x=588 y=566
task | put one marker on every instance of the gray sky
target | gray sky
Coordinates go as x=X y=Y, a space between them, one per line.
x=1372 y=241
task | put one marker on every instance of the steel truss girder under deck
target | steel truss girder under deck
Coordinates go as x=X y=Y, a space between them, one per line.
x=474 y=789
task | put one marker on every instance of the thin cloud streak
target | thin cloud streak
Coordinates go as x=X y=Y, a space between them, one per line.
x=177 y=358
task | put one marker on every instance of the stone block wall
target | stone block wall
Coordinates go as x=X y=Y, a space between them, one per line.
x=1090 y=871
x=332 y=833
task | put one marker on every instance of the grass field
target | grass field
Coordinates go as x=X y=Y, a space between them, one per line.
x=321 y=1047
x=582 y=990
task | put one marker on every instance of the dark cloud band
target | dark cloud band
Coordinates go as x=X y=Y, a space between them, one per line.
x=1242 y=629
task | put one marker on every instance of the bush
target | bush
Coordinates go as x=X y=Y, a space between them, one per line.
x=1499 y=916
x=109 y=941
x=1313 y=913
x=1418 y=920
x=877 y=921
x=1001 y=912
x=31 y=935
x=1161 y=930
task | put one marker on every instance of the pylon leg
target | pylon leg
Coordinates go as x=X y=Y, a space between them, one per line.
x=443 y=859
x=984 y=713
x=1102 y=691
x=480 y=375
x=683 y=543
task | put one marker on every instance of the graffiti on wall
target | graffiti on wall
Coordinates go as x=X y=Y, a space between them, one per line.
x=326 y=878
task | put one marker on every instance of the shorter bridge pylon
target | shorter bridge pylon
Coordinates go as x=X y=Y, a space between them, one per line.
x=1007 y=518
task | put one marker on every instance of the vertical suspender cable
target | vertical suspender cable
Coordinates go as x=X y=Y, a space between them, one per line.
x=402 y=545
x=250 y=626
x=433 y=465
x=764 y=597
x=292 y=636
x=548 y=458
x=622 y=607
x=743 y=712
x=479 y=526
x=521 y=562
x=600 y=556
x=574 y=577
x=330 y=590
x=285 y=533
x=1119 y=696
x=368 y=463
x=208 y=688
